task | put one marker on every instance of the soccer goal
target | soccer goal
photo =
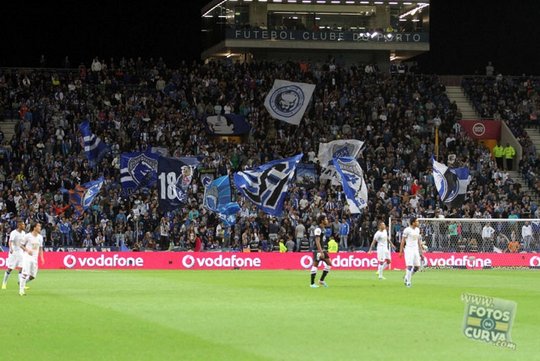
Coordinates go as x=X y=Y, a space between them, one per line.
x=477 y=243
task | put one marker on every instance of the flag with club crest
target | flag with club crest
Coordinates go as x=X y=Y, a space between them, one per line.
x=336 y=149
x=287 y=101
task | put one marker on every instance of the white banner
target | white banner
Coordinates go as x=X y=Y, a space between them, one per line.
x=287 y=101
x=336 y=149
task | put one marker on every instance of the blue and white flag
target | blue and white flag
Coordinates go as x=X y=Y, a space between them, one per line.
x=138 y=170
x=218 y=199
x=174 y=180
x=227 y=124
x=451 y=183
x=94 y=148
x=287 y=101
x=266 y=185
x=353 y=183
x=336 y=149
x=83 y=195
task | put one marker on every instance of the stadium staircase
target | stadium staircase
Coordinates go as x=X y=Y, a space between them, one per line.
x=534 y=134
x=516 y=176
x=456 y=94
x=8 y=127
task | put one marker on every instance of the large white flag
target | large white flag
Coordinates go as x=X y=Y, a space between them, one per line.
x=336 y=149
x=287 y=101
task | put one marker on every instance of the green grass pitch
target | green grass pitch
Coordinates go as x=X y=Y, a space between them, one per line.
x=260 y=315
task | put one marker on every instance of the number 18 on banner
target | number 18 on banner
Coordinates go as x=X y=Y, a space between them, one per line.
x=174 y=180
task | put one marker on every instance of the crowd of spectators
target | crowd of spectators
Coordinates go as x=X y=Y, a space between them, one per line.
x=516 y=101
x=135 y=104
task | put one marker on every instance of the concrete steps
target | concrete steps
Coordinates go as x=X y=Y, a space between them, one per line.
x=8 y=127
x=516 y=176
x=534 y=134
x=456 y=94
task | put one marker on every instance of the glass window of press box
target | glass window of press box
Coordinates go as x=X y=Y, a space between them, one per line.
x=398 y=17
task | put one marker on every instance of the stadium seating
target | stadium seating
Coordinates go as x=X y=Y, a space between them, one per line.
x=135 y=104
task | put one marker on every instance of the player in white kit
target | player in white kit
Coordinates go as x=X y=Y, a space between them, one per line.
x=383 y=252
x=32 y=245
x=411 y=242
x=15 y=258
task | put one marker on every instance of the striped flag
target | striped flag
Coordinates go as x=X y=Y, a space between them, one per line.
x=266 y=185
x=94 y=148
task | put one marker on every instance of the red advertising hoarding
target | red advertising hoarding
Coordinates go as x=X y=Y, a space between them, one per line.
x=266 y=261
x=482 y=129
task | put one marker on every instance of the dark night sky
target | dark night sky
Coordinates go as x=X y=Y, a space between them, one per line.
x=464 y=35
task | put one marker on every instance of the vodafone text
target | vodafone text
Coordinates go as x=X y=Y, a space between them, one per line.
x=71 y=261
x=190 y=261
x=350 y=261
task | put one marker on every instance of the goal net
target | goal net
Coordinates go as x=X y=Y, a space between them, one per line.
x=478 y=243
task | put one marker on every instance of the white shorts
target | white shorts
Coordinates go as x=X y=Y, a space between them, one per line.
x=412 y=258
x=15 y=260
x=30 y=266
x=383 y=254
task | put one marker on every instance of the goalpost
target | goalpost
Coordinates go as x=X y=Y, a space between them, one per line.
x=476 y=243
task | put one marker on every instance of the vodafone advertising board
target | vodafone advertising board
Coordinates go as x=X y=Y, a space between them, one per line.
x=266 y=261
x=482 y=129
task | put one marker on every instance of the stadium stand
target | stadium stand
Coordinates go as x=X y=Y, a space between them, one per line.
x=135 y=104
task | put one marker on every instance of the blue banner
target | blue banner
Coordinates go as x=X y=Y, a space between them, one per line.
x=266 y=185
x=174 y=180
x=82 y=196
x=94 y=148
x=218 y=199
x=227 y=124
x=138 y=170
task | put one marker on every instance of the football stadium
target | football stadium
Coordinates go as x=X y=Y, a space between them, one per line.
x=302 y=190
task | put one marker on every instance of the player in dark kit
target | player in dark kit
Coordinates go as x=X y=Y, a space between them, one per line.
x=320 y=254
